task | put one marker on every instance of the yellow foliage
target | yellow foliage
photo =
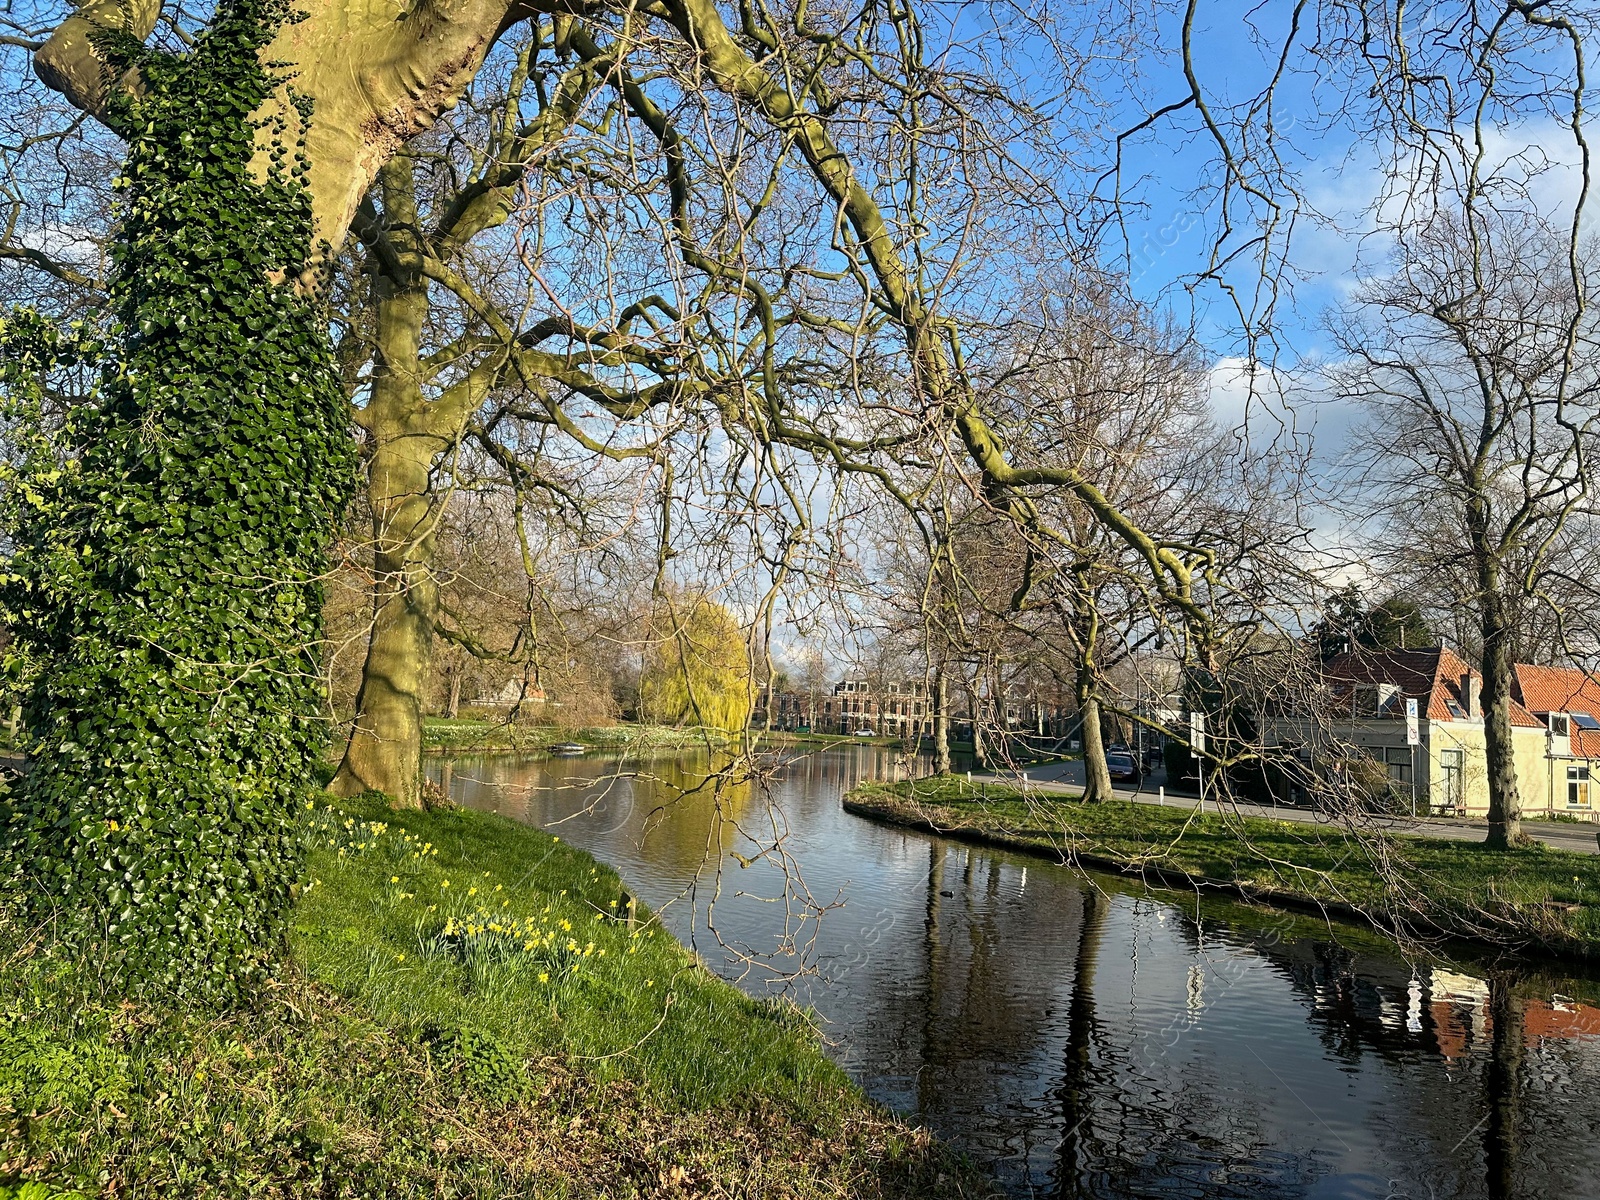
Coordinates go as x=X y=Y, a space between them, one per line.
x=698 y=670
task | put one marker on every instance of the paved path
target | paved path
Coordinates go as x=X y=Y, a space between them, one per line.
x=1068 y=777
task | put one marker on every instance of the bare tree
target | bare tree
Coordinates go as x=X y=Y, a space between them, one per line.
x=1475 y=358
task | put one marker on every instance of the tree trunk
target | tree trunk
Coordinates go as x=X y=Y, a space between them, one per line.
x=1502 y=1085
x=372 y=81
x=1505 y=803
x=941 y=724
x=452 y=707
x=175 y=719
x=1096 y=775
x=385 y=749
x=979 y=756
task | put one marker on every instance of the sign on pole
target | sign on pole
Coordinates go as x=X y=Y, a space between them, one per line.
x=1413 y=737
x=1197 y=732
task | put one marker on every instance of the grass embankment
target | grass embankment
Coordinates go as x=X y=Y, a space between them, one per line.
x=784 y=737
x=468 y=735
x=1537 y=897
x=463 y=1014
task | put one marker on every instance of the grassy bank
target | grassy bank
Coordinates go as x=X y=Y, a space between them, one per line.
x=471 y=735
x=464 y=1014
x=1535 y=898
x=782 y=737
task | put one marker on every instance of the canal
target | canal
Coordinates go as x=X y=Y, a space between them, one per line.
x=1081 y=1035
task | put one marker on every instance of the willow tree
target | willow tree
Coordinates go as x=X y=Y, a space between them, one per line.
x=697 y=671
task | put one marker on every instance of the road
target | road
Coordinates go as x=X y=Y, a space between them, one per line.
x=1068 y=777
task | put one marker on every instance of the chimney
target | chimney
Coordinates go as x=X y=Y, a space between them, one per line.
x=1472 y=696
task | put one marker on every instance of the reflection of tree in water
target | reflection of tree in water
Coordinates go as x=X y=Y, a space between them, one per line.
x=1359 y=1006
x=1003 y=1020
x=1482 y=1139
x=964 y=998
x=1076 y=1103
x=688 y=814
x=1125 y=1133
x=1502 y=1087
x=983 y=1023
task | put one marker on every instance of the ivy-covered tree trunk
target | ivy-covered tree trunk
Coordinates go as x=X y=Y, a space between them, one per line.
x=354 y=81
x=167 y=582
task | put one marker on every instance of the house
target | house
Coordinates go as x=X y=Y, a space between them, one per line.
x=1445 y=771
x=1566 y=702
x=892 y=710
x=1555 y=730
x=508 y=696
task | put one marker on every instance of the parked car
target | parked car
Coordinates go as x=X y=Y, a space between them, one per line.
x=865 y=733
x=1122 y=766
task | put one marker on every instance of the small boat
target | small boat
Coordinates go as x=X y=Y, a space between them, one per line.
x=568 y=748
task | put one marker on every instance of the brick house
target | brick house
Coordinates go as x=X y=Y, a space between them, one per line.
x=891 y=710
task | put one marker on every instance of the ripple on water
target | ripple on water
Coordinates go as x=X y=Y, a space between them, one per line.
x=1094 y=1041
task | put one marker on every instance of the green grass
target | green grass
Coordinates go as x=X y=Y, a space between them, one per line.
x=1537 y=897
x=784 y=737
x=461 y=1015
x=467 y=734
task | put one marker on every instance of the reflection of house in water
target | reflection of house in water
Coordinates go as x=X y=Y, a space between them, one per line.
x=1459 y=1008
x=1462 y=1022
x=1372 y=1001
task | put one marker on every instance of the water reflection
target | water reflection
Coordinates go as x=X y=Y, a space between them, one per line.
x=1088 y=1039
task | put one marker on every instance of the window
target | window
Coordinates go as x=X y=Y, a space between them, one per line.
x=1398 y=760
x=1557 y=723
x=1585 y=721
x=1577 y=787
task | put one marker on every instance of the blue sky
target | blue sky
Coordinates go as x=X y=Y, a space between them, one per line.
x=1336 y=163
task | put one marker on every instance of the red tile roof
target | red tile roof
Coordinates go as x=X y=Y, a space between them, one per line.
x=1432 y=676
x=1562 y=690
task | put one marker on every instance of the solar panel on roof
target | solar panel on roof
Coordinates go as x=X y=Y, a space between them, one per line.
x=1585 y=721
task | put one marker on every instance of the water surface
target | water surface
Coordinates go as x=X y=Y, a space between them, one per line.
x=1082 y=1036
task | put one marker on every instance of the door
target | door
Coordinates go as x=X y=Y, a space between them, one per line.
x=1448 y=798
